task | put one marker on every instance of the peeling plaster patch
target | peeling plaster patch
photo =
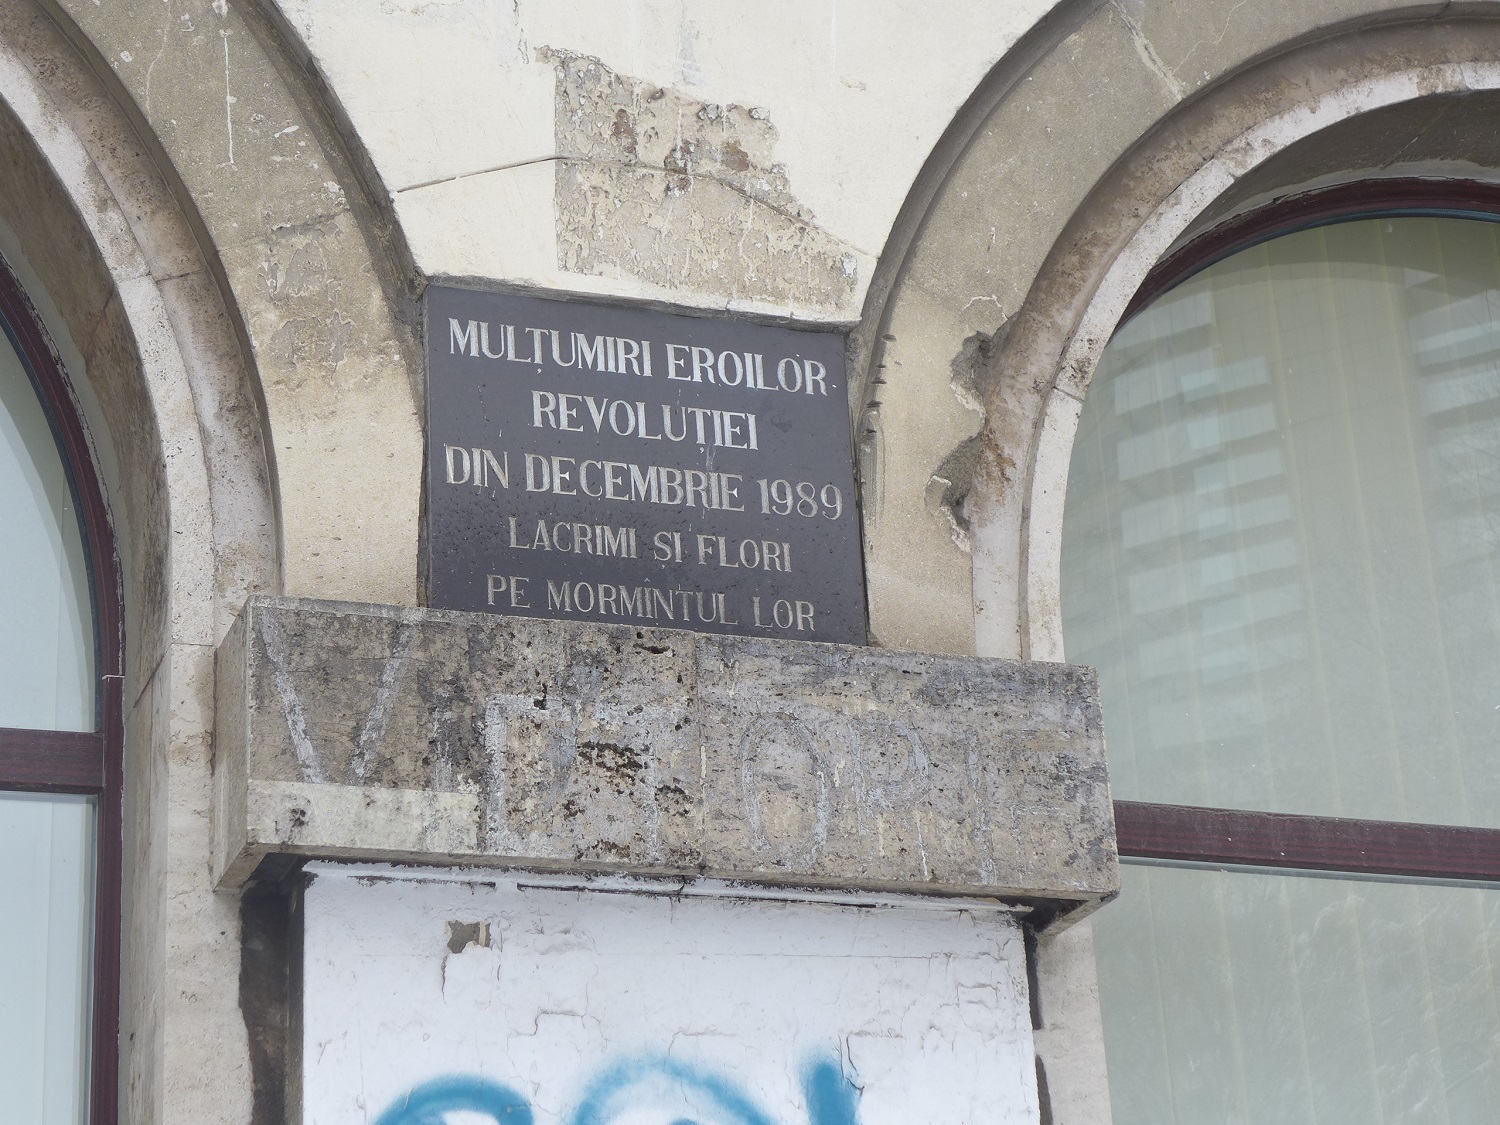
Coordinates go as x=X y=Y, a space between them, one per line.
x=948 y=488
x=304 y=282
x=654 y=185
x=461 y=935
x=970 y=368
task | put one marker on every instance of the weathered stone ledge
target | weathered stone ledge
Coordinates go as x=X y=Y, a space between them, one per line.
x=373 y=732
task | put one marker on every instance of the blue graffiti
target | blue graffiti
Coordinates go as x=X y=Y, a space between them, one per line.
x=668 y=1087
x=667 y=1090
x=431 y=1102
x=831 y=1098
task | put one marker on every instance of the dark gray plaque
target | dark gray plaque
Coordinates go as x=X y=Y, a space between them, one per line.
x=635 y=467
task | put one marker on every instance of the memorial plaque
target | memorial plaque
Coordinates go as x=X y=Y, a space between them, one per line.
x=629 y=466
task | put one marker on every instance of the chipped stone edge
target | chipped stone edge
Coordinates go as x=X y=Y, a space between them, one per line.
x=257 y=818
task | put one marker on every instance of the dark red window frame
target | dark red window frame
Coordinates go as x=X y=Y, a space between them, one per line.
x=1236 y=837
x=81 y=763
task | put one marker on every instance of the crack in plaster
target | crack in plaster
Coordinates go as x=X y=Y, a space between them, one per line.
x=1148 y=53
x=228 y=96
x=507 y=167
x=1228 y=19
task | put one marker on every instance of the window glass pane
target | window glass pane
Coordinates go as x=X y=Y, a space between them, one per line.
x=46 y=869
x=1282 y=544
x=1234 y=997
x=46 y=622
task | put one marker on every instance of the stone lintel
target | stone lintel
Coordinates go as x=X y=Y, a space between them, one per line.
x=421 y=736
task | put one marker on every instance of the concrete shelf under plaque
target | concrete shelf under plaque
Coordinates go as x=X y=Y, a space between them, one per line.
x=349 y=731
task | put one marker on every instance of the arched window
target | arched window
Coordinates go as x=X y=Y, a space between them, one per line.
x=1282 y=551
x=59 y=745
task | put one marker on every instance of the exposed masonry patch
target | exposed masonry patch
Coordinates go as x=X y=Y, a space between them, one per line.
x=684 y=194
x=299 y=272
x=948 y=489
x=462 y=935
x=949 y=486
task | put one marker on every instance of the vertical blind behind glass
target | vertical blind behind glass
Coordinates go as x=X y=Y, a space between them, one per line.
x=46 y=935
x=1283 y=529
x=1239 y=998
x=46 y=622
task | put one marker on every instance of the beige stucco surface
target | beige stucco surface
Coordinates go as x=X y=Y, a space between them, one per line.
x=456 y=103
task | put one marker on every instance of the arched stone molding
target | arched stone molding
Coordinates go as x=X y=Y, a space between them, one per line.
x=915 y=355
x=115 y=270
x=305 y=262
x=1151 y=201
x=952 y=406
x=1185 y=172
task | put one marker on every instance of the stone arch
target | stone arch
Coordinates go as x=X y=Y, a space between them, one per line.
x=313 y=274
x=1096 y=117
x=1084 y=288
x=102 y=245
x=116 y=269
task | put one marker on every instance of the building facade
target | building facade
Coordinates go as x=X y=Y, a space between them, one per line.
x=1168 y=348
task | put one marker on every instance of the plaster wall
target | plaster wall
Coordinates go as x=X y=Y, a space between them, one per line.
x=632 y=1001
x=725 y=157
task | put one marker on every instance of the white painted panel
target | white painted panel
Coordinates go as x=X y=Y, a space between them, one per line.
x=625 y=1004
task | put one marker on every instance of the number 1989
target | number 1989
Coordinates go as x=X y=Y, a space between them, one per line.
x=784 y=497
